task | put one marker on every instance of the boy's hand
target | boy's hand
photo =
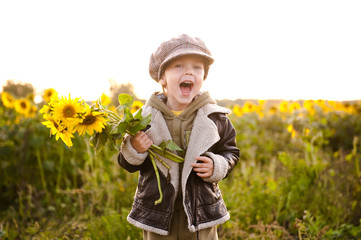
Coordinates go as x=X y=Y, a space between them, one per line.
x=204 y=168
x=141 y=142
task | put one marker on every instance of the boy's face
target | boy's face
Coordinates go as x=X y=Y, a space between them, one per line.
x=183 y=79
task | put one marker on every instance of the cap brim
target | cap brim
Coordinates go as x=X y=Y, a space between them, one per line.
x=183 y=52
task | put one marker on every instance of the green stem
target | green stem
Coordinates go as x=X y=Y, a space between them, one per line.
x=42 y=173
x=354 y=153
x=167 y=154
x=158 y=180
x=90 y=155
x=160 y=160
x=164 y=153
x=112 y=114
x=58 y=178
x=113 y=119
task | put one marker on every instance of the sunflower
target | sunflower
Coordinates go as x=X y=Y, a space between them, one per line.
x=68 y=110
x=22 y=106
x=30 y=97
x=273 y=109
x=46 y=109
x=237 y=110
x=54 y=125
x=320 y=102
x=283 y=106
x=7 y=99
x=136 y=106
x=105 y=99
x=249 y=107
x=48 y=93
x=306 y=131
x=260 y=112
x=338 y=106
x=310 y=106
x=295 y=106
x=291 y=130
x=58 y=129
x=32 y=112
x=66 y=136
x=261 y=102
x=347 y=107
x=92 y=121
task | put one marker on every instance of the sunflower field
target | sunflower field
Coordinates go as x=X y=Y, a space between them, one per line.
x=299 y=174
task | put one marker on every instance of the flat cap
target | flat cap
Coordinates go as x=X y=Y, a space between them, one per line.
x=176 y=47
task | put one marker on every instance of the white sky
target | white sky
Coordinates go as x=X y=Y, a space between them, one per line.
x=305 y=49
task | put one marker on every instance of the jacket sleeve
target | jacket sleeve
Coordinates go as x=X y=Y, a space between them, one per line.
x=224 y=153
x=129 y=158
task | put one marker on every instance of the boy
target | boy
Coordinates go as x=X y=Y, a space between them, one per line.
x=192 y=205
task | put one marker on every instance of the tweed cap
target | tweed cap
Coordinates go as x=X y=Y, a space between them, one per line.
x=176 y=47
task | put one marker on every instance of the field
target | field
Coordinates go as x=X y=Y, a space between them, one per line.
x=298 y=177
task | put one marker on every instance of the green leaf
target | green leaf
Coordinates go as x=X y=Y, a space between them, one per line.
x=112 y=142
x=134 y=122
x=138 y=115
x=170 y=145
x=128 y=116
x=121 y=128
x=125 y=101
x=141 y=124
x=99 y=140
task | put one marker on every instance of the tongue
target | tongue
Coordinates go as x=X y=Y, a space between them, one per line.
x=185 y=88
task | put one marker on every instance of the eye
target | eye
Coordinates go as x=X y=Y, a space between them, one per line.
x=198 y=67
x=179 y=65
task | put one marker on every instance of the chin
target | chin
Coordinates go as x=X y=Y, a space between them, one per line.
x=187 y=99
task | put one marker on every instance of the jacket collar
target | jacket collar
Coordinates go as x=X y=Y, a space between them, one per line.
x=204 y=135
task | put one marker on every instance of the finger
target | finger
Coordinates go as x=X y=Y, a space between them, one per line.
x=139 y=134
x=204 y=159
x=148 y=141
x=201 y=170
x=142 y=136
x=203 y=175
x=201 y=165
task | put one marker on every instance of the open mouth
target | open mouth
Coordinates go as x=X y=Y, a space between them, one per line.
x=186 y=86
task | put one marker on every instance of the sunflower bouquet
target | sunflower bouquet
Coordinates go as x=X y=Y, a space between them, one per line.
x=66 y=117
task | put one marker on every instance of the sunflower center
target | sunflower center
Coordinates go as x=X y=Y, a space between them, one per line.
x=23 y=105
x=89 y=120
x=69 y=111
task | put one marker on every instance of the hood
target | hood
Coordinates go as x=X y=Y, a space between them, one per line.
x=158 y=100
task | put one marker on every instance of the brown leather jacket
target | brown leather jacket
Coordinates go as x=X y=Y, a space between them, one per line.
x=202 y=198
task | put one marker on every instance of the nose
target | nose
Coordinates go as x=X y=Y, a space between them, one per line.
x=188 y=70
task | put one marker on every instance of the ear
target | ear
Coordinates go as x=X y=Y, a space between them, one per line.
x=162 y=81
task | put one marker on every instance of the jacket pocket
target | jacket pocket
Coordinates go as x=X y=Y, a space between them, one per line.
x=211 y=212
x=208 y=193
